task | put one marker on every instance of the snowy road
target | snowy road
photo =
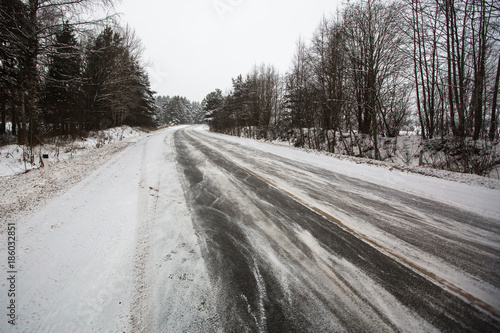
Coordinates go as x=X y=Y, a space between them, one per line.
x=191 y=231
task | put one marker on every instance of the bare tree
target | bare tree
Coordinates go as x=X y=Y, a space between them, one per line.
x=425 y=35
x=494 y=120
x=299 y=87
x=372 y=40
x=328 y=64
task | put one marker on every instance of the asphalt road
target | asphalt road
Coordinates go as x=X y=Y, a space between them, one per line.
x=280 y=266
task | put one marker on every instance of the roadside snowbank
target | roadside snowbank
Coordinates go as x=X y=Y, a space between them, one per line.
x=409 y=153
x=23 y=192
x=12 y=161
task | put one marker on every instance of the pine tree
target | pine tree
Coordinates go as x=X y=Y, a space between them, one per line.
x=100 y=58
x=63 y=84
x=13 y=45
x=117 y=89
x=213 y=105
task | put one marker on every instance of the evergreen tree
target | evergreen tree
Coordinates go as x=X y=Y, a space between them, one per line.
x=117 y=89
x=101 y=60
x=212 y=105
x=179 y=110
x=62 y=90
x=197 y=113
x=141 y=106
x=13 y=44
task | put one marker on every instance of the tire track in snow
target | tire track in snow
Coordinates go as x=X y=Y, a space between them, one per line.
x=148 y=187
x=184 y=296
x=315 y=296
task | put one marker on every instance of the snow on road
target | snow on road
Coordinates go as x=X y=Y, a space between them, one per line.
x=468 y=193
x=125 y=249
x=454 y=236
x=100 y=256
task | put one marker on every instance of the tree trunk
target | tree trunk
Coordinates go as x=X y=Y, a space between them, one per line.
x=494 y=124
x=3 y=128
x=416 y=65
x=479 y=77
x=15 y=122
x=30 y=101
x=22 y=122
x=450 y=86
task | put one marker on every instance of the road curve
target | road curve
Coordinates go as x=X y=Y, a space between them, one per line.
x=278 y=266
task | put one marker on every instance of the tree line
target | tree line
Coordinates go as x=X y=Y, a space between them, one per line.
x=178 y=110
x=254 y=104
x=63 y=73
x=372 y=69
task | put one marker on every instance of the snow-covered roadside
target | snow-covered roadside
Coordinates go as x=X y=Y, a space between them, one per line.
x=107 y=246
x=470 y=192
x=11 y=156
x=23 y=193
x=48 y=248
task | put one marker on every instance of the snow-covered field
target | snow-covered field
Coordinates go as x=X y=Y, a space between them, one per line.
x=105 y=239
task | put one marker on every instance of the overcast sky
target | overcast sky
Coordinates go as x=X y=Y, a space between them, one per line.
x=195 y=46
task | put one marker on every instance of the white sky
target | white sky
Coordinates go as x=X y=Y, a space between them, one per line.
x=195 y=46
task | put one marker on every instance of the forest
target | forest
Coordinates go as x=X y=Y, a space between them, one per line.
x=370 y=75
x=178 y=110
x=375 y=71
x=65 y=72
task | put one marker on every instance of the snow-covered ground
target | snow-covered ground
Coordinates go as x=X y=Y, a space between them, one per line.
x=105 y=239
x=85 y=258
x=406 y=152
x=13 y=157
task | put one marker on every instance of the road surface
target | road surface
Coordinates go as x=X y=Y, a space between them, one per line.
x=191 y=231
